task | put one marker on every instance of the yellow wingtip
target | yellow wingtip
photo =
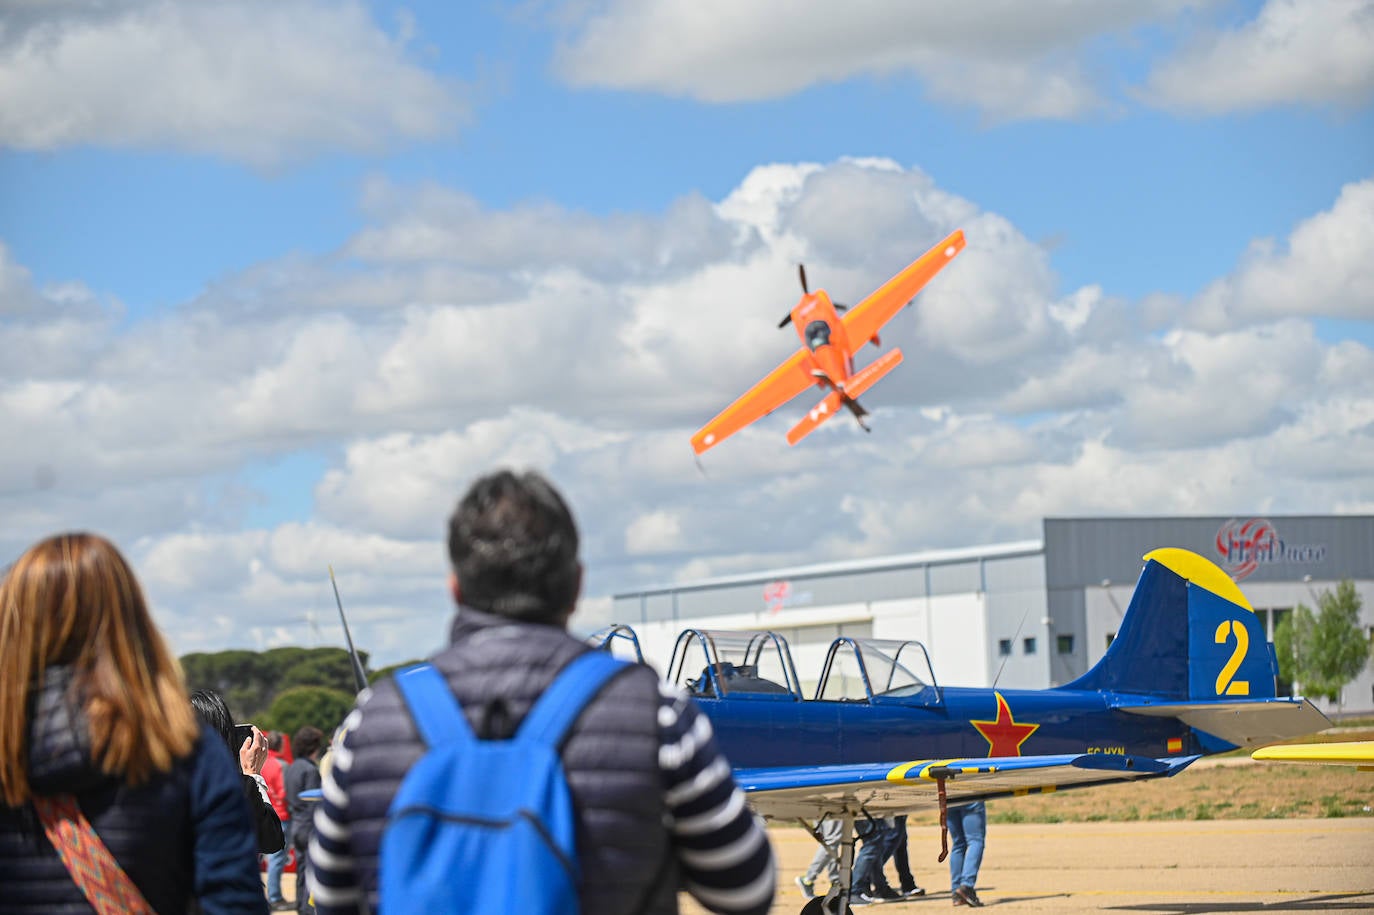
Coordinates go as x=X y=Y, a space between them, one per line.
x=1201 y=571
x=1355 y=752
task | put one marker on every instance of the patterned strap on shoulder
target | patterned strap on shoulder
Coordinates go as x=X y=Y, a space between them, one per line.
x=108 y=889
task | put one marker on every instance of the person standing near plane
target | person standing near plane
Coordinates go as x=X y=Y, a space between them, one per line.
x=968 y=826
x=656 y=804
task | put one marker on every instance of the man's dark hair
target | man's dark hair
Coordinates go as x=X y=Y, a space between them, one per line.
x=307 y=740
x=513 y=545
x=274 y=741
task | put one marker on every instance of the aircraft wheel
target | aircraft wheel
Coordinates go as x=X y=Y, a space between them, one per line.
x=818 y=906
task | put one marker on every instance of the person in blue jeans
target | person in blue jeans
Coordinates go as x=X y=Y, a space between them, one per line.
x=868 y=884
x=968 y=827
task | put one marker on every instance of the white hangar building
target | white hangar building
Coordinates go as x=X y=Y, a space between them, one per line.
x=1030 y=614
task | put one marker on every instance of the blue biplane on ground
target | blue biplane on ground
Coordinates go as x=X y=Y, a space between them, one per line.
x=1189 y=674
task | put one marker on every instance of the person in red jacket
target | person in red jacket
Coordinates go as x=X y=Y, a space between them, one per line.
x=272 y=770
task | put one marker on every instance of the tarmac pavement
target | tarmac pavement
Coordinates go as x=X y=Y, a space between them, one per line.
x=1174 y=867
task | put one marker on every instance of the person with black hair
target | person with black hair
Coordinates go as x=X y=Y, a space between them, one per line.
x=656 y=803
x=251 y=754
x=303 y=775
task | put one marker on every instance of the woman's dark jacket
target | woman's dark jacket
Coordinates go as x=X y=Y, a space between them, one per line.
x=267 y=827
x=184 y=837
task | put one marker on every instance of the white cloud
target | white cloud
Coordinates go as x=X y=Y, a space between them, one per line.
x=1009 y=59
x=1293 y=52
x=1324 y=270
x=654 y=532
x=431 y=223
x=258 y=81
x=1017 y=399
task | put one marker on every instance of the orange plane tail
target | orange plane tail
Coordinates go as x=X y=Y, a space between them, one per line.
x=856 y=384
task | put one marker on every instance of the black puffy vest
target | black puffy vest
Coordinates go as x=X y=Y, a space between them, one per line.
x=497 y=669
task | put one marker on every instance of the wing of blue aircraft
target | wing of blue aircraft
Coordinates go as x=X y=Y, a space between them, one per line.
x=809 y=792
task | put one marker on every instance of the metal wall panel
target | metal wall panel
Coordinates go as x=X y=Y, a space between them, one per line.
x=1087 y=551
x=1015 y=573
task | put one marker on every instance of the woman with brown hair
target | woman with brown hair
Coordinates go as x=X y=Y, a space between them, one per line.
x=113 y=798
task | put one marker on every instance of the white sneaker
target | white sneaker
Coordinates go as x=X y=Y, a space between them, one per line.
x=808 y=890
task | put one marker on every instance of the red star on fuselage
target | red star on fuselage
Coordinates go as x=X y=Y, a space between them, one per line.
x=1004 y=736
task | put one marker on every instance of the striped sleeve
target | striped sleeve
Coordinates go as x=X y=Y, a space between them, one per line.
x=723 y=850
x=333 y=877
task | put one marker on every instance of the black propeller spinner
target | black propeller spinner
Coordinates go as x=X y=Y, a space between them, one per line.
x=801 y=272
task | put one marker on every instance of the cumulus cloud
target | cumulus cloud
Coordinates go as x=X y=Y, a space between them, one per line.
x=432 y=223
x=257 y=81
x=1018 y=398
x=1293 y=52
x=1010 y=60
x=1322 y=271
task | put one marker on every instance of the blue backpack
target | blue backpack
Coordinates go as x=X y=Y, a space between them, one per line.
x=487 y=820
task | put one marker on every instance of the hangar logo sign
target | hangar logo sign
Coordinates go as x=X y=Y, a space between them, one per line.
x=1246 y=545
x=779 y=594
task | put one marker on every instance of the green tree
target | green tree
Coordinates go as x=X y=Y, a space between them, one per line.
x=328 y=667
x=1323 y=651
x=374 y=675
x=301 y=705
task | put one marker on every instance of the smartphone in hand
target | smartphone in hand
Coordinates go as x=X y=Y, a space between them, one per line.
x=242 y=732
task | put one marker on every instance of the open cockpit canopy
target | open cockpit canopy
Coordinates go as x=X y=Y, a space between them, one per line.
x=718 y=663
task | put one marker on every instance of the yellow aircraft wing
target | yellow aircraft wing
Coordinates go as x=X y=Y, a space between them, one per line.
x=1358 y=753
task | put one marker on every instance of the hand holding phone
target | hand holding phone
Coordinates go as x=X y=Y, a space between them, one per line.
x=252 y=748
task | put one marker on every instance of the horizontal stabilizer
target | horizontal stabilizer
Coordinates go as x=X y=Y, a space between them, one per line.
x=869 y=375
x=1243 y=723
x=855 y=385
x=814 y=417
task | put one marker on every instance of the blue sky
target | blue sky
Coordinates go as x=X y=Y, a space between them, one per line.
x=278 y=279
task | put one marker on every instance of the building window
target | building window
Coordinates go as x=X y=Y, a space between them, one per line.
x=1003 y=647
x=1028 y=645
x=1064 y=644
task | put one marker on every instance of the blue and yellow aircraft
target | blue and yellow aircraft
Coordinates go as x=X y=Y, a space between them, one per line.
x=1190 y=673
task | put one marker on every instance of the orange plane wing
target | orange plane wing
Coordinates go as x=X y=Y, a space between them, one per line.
x=781 y=385
x=863 y=321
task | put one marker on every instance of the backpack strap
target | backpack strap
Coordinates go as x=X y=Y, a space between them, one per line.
x=432 y=704
x=564 y=699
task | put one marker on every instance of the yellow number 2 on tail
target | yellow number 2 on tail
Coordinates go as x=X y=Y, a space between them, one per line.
x=1225 y=685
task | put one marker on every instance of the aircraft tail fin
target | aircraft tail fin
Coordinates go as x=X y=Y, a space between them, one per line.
x=857 y=383
x=1188 y=634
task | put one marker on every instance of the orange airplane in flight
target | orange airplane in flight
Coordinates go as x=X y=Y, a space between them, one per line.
x=826 y=358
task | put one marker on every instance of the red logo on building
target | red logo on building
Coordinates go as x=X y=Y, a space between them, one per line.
x=1243 y=545
x=775 y=595
x=1246 y=545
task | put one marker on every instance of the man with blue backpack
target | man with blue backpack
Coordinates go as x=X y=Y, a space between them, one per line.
x=519 y=771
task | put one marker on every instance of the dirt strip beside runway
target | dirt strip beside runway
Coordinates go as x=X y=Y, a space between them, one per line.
x=1179 y=866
